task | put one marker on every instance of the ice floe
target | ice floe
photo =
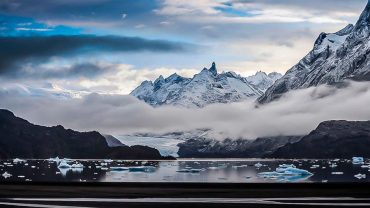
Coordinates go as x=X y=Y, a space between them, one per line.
x=6 y=175
x=337 y=173
x=142 y=169
x=189 y=170
x=258 y=165
x=360 y=176
x=119 y=168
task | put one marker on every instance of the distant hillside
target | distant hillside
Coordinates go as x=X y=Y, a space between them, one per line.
x=21 y=139
x=331 y=139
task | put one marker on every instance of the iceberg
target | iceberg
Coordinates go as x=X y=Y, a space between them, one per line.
x=357 y=160
x=64 y=165
x=288 y=173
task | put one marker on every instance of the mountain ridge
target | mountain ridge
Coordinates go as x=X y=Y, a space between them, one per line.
x=204 y=88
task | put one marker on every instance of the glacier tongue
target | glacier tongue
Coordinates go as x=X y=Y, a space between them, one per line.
x=205 y=88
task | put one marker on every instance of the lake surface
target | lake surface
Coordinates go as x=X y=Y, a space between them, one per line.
x=204 y=171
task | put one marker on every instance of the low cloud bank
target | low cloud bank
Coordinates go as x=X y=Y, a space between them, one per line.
x=297 y=113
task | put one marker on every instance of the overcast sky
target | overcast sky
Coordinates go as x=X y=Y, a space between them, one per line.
x=74 y=47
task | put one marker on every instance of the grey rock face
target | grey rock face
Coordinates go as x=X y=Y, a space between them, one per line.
x=331 y=139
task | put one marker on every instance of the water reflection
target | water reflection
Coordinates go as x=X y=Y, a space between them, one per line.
x=219 y=171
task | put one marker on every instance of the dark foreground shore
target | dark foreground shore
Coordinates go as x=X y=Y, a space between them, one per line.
x=182 y=195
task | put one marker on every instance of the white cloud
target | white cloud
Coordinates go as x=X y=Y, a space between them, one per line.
x=34 y=29
x=207 y=11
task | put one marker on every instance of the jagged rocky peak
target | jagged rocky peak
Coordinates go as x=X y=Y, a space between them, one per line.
x=205 y=88
x=212 y=69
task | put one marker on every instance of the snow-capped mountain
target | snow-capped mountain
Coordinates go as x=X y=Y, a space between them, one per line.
x=335 y=57
x=204 y=88
x=262 y=80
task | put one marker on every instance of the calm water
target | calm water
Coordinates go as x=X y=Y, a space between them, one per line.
x=219 y=171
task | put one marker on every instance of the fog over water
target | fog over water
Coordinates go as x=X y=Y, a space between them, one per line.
x=297 y=113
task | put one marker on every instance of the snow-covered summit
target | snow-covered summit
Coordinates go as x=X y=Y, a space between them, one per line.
x=334 y=58
x=262 y=80
x=206 y=87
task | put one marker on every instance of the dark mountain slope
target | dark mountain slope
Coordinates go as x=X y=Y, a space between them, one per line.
x=21 y=139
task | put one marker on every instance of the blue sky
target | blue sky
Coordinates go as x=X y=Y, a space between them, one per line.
x=111 y=46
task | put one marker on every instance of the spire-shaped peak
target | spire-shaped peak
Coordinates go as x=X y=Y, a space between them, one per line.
x=213 y=69
x=364 y=20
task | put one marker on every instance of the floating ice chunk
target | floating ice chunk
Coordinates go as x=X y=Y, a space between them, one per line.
x=258 y=165
x=357 y=160
x=360 y=176
x=365 y=166
x=142 y=169
x=77 y=165
x=119 y=168
x=21 y=176
x=56 y=159
x=108 y=161
x=239 y=166
x=337 y=173
x=17 y=160
x=333 y=165
x=7 y=175
x=189 y=170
